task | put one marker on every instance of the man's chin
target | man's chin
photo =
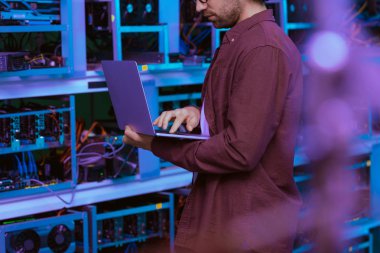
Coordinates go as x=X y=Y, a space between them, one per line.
x=217 y=24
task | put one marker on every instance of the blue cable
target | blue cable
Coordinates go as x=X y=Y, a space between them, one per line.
x=204 y=36
x=201 y=36
x=30 y=164
x=20 y=171
x=33 y=165
x=24 y=165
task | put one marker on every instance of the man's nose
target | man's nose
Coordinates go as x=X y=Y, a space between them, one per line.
x=201 y=6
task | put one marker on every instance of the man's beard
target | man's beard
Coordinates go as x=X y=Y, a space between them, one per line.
x=227 y=18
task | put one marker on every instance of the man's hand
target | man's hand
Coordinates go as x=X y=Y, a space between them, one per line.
x=136 y=139
x=189 y=115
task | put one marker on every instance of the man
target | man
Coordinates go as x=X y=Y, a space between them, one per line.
x=244 y=198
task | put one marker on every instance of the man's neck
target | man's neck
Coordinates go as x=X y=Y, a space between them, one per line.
x=250 y=8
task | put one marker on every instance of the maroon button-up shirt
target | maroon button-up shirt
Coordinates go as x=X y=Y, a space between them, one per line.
x=244 y=198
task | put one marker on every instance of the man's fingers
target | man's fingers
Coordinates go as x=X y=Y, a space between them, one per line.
x=177 y=123
x=138 y=140
x=130 y=134
x=126 y=129
x=125 y=139
x=180 y=115
x=160 y=119
x=191 y=123
x=167 y=118
x=164 y=119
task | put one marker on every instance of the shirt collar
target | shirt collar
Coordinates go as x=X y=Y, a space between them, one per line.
x=246 y=24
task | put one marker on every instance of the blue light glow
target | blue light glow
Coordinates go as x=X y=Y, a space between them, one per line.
x=130 y=8
x=148 y=8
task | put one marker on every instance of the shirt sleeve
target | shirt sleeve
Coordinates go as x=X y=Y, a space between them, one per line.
x=255 y=108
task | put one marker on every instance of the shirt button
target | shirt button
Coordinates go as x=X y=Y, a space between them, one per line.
x=233 y=40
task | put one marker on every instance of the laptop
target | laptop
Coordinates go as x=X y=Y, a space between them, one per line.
x=129 y=102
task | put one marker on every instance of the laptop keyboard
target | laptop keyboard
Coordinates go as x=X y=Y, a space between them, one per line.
x=167 y=132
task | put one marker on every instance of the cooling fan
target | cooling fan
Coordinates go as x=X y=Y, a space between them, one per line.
x=129 y=12
x=59 y=238
x=27 y=241
x=149 y=12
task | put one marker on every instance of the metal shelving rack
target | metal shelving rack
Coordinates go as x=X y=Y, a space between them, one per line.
x=40 y=143
x=65 y=28
x=292 y=25
x=159 y=203
x=45 y=226
x=368 y=226
x=166 y=39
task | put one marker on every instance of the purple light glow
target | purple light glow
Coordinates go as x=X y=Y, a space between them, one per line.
x=328 y=51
